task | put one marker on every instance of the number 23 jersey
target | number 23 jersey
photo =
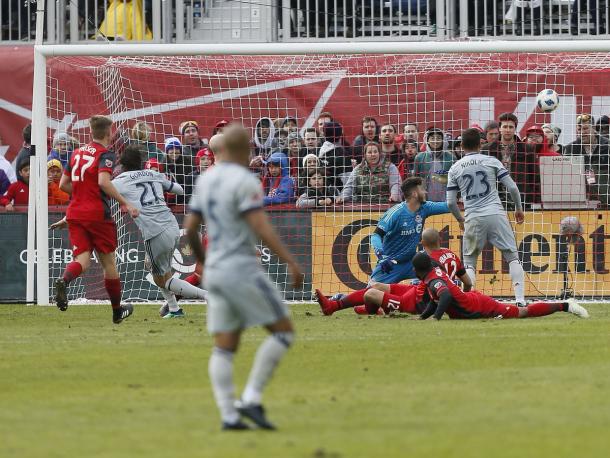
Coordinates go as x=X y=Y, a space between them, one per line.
x=475 y=176
x=88 y=201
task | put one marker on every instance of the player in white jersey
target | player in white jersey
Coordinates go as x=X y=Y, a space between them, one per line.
x=144 y=189
x=240 y=295
x=475 y=176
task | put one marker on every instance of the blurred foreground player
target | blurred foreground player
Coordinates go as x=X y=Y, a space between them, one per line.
x=158 y=225
x=381 y=298
x=89 y=221
x=446 y=297
x=240 y=295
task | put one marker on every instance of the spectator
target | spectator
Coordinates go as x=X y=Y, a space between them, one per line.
x=55 y=195
x=389 y=149
x=535 y=136
x=492 y=132
x=433 y=164
x=191 y=140
x=219 y=127
x=325 y=117
x=294 y=152
x=317 y=193
x=369 y=133
x=281 y=140
x=277 y=183
x=264 y=140
x=290 y=123
x=374 y=181
x=552 y=133
x=4 y=182
x=332 y=155
x=456 y=147
x=124 y=21
x=18 y=192
x=518 y=158
x=7 y=169
x=140 y=135
x=407 y=165
x=410 y=130
x=177 y=165
x=479 y=129
x=153 y=164
x=603 y=126
x=309 y=163
x=24 y=152
x=310 y=142
x=63 y=145
x=204 y=159
x=596 y=151
x=592 y=13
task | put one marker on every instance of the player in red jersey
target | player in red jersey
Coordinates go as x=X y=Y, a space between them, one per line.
x=381 y=298
x=88 y=179
x=446 y=297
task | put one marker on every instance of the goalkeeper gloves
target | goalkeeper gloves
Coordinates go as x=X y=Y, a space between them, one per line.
x=379 y=253
x=387 y=265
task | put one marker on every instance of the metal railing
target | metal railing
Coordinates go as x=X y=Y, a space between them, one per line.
x=77 y=21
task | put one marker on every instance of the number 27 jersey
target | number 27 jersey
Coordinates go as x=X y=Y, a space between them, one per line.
x=475 y=176
x=88 y=201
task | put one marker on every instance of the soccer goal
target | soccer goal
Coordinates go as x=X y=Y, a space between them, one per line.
x=423 y=91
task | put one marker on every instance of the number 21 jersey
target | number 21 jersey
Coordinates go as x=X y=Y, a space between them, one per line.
x=476 y=177
x=88 y=201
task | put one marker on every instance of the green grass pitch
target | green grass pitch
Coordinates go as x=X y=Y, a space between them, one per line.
x=74 y=385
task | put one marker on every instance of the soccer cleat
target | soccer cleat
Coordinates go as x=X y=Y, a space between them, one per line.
x=328 y=307
x=164 y=310
x=361 y=310
x=256 y=413
x=237 y=426
x=576 y=309
x=177 y=314
x=61 y=294
x=121 y=313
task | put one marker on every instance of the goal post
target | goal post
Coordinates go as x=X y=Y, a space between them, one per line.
x=393 y=81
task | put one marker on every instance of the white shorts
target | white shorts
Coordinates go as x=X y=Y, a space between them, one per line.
x=495 y=229
x=160 y=250
x=238 y=301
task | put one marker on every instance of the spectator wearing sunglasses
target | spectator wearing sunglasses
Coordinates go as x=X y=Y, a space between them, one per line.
x=596 y=150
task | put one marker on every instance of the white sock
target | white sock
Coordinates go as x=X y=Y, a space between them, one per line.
x=471 y=274
x=518 y=278
x=266 y=360
x=220 y=369
x=185 y=289
x=171 y=300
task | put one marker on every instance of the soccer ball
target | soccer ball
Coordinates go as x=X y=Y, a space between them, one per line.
x=547 y=100
x=570 y=225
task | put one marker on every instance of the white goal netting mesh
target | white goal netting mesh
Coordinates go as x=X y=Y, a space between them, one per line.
x=309 y=112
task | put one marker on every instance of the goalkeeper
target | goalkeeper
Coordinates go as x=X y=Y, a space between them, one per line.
x=399 y=232
x=144 y=189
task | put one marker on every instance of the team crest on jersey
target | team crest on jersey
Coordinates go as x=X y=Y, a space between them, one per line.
x=418 y=219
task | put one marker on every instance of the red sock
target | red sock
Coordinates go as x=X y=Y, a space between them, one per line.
x=194 y=279
x=73 y=270
x=113 y=288
x=545 y=308
x=353 y=299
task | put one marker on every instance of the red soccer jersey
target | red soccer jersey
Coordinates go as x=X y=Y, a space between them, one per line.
x=88 y=202
x=450 y=261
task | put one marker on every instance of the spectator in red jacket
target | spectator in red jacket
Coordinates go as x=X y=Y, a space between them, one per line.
x=18 y=192
x=409 y=151
x=535 y=136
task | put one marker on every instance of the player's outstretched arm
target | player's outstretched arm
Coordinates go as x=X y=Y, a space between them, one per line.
x=106 y=185
x=444 y=301
x=65 y=184
x=515 y=195
x=453 y=205
x=258 y=220
x=429 y=310
x=192 y=222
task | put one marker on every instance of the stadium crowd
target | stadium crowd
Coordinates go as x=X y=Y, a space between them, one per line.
x=320 y=167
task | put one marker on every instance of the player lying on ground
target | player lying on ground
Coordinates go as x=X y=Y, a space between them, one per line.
x=446 y=297
x=380 y=298
x=475 y=176
x=144 y=190
x=240 y=294
x=398 y=233
x=90 y=224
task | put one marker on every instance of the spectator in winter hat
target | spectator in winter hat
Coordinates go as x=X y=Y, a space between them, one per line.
x=18 y=192
x=190 y=138
x=177 y=165
x=316 y=193
x=219 y=127
x=308 y=163
x=63 y=146
x=55 y=195
x=204 y=159
x=534 y=135
x=264 y=142
x=433 y=164
x=552 y=134
x=277 y=183
x=603 y=126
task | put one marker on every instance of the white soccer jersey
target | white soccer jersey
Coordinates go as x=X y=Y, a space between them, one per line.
x=144 y=190
x=476 y=176
x=222 y=195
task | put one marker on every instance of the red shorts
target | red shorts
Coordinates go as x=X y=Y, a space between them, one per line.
x=398 y=289
x=403 y=298
x=92 y=235
x=488 y=307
